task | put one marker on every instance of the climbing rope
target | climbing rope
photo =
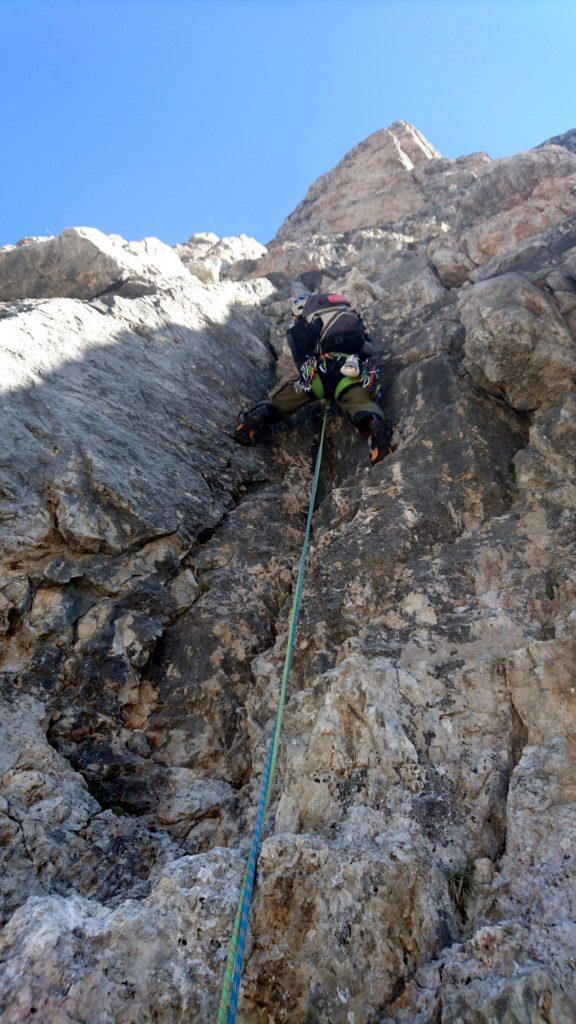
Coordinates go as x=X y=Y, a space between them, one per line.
x=234 y=964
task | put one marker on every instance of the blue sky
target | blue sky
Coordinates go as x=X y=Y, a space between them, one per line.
x=166 y=117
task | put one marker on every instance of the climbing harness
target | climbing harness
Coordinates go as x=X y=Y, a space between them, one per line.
x=234 y=964
x=310 y=380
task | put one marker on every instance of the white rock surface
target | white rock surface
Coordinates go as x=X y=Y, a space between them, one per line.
x=145 y=950
x=83 y=263
x=209 y=257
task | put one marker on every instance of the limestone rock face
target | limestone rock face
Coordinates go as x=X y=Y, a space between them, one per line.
x=567 y=139
x=373 y=183
x=508 y=348
x=83 y=263
x=143 y=961
x=209 y=257
x=469 y=211
x=419 y=862
x=516 y=198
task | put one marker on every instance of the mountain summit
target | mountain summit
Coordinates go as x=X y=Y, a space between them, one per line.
x=371 y=184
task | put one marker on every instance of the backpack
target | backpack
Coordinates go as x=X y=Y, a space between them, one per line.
x=342 y=327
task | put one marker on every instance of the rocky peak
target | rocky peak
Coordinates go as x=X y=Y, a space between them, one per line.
x=372 y=184
x=567 y=140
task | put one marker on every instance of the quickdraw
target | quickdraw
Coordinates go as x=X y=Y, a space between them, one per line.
x=369 y=378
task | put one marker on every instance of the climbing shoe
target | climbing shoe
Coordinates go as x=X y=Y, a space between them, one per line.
x=249 y=423
x=379 y=440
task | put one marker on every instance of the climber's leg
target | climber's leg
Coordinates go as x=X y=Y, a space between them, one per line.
x=379 y=437
x=281 y=403
x=287 y=400
x=369 y=419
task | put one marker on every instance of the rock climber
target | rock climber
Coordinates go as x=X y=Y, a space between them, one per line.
x=331 y=347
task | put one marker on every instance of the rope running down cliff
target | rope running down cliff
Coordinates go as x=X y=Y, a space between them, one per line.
x=234 y=965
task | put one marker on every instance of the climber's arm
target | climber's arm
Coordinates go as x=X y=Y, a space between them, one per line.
x=302 y=339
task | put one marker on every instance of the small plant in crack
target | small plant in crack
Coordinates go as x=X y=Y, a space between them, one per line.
x=203 y=588
x=539 y=275
x=461 y=885
x=551 y=588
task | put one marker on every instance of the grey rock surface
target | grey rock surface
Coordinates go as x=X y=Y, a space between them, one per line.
x=83 y=263
x=567 y=139
x=518 y=345
x=209 y=257
x=418 y=863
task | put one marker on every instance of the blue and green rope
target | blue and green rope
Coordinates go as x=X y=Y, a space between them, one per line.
x=235 y=962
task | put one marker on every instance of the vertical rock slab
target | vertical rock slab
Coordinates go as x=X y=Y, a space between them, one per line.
x=517 y=343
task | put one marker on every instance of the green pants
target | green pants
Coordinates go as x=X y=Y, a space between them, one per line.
x=354 y=400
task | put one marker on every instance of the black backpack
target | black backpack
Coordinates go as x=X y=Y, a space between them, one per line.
x=342 y=328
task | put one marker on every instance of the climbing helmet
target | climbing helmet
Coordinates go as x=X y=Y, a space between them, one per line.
x=298 y=302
